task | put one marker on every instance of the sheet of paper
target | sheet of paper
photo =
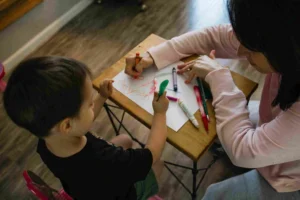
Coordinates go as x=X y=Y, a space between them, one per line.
x=141 y=91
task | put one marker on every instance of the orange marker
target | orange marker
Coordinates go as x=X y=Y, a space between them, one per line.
x=137 y=60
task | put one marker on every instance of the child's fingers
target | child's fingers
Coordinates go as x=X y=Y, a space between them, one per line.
x=102 y=85
x=155 y=95
x=110 y=86
x=164 y=96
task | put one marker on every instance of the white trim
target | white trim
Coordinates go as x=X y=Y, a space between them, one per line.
x=44 y=35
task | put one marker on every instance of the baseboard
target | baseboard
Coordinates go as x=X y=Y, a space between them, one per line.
x=44 y=35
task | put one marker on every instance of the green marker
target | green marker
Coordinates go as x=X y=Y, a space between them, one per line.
x=162 y=88
x=202 y=93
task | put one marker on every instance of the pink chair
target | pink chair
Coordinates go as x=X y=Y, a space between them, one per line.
x=44 y=192
x=2 y=83
x=41 y=190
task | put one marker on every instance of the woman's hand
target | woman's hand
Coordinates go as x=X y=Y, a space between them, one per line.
x=199 y=67
x=136 y=70
x=106 y=88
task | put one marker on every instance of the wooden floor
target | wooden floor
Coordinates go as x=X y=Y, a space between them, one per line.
x=99 y=36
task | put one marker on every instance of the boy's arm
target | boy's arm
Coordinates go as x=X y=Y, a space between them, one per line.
x=105 y=90
x=98 y=104
x=159 y=131
x=158 y=136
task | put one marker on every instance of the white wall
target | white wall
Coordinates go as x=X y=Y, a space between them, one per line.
x=21 y=32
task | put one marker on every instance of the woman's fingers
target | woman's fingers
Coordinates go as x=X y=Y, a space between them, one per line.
x=185 y=64
x=212 y=54
x=141 y=65
x=185 y=69
x=130 y=67
x=190 y=78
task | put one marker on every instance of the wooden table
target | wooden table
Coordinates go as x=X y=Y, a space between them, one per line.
x=189 y=140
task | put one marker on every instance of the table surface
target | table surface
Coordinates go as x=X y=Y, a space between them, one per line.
x=189 y=140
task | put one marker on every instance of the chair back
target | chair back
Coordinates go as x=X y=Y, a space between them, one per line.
x=41 y=189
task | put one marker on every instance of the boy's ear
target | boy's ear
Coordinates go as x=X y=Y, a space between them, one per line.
x=65 y=126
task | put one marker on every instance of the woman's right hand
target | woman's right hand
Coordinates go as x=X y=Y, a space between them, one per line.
x=136 y=70
x=200 y=67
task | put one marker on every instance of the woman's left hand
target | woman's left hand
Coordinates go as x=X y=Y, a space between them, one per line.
x=200 y=67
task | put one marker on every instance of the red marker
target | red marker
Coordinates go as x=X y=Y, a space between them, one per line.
x=199 y=101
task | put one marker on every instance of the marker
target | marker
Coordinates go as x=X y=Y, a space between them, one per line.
x=188 y=113
x=174 y=74
x=172 y=98
x=202 y=93
x=162 y=88
x=137 y=60
x=199 y=101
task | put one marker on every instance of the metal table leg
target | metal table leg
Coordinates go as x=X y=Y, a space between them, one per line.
x=193 y=169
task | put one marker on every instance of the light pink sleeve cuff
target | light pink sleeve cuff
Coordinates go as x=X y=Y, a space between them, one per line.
x=162 y=60
x=220 y=81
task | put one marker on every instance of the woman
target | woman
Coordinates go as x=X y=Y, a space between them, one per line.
x=266 y=33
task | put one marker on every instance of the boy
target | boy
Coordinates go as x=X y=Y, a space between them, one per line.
x=52 y=97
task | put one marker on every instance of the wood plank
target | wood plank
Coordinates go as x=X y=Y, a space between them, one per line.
x=16 y=11
x=4 y=4
x=188 y=140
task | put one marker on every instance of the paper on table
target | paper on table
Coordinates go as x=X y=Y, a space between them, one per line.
x=141 y=91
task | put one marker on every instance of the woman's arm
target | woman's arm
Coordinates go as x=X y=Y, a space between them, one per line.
x=221 y=38
x=271 y=143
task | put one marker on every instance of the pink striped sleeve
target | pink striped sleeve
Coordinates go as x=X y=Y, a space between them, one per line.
x=272 y=143
x=221 y=38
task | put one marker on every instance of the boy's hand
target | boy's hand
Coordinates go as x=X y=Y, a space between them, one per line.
x=136 y=70
x=160 y=106
x=106 y=88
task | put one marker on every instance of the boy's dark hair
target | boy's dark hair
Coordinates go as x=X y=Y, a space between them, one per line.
x=43 y=91
x=272 y=28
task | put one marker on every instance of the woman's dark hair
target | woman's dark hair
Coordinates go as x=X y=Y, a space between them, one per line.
x=43 y=91
x=272 y=28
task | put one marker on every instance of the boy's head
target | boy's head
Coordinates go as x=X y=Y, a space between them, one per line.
x=50 y=95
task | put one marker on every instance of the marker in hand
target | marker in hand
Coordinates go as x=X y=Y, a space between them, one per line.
x=137 y=60
x=199 y=102
x=162 y=88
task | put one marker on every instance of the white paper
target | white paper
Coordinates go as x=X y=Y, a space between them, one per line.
x=141 y=91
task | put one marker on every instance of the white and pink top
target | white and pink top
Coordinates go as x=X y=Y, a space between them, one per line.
x=274 y=147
